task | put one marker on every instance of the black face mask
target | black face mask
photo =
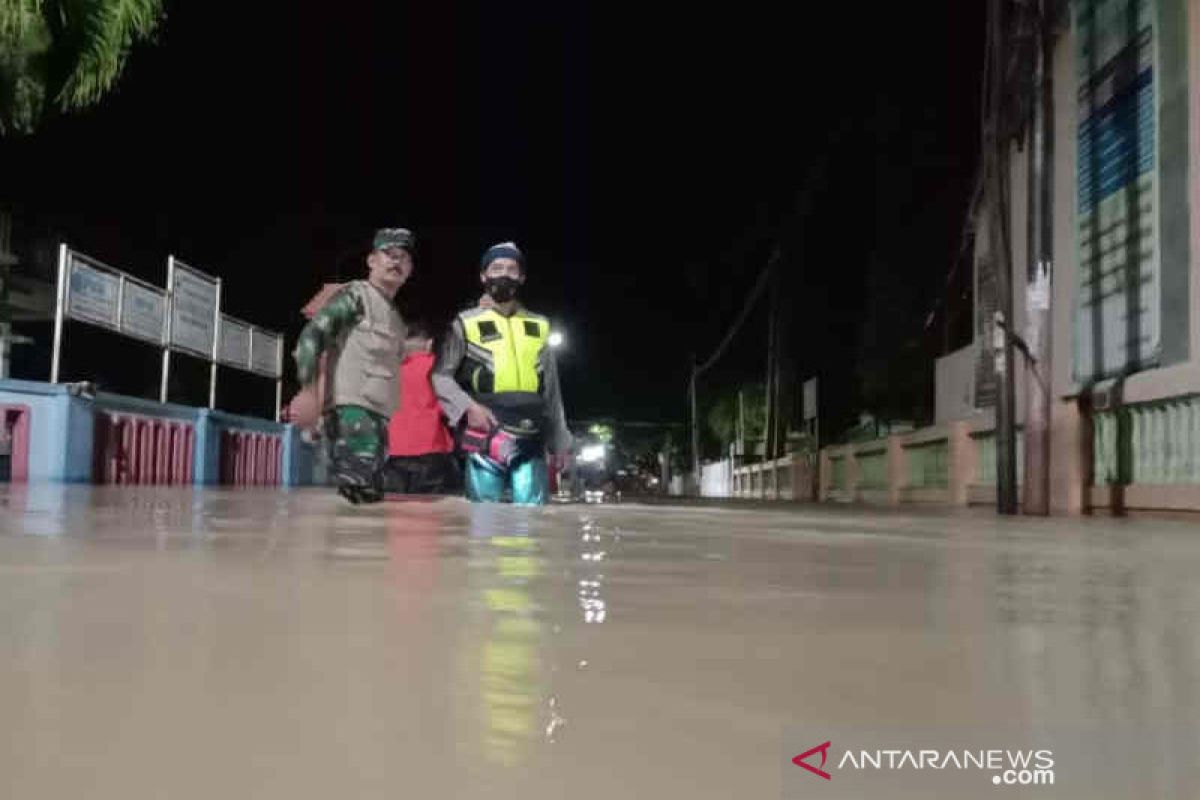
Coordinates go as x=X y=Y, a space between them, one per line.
x=502 y=289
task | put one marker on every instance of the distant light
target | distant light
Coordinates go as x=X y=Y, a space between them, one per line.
x=555 y=339
x=592 y=452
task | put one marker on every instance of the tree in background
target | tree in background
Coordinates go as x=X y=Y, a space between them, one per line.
x=723 y=415
x=892 y=367
x=58 y=56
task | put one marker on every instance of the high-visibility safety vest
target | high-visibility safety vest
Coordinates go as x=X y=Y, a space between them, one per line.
x=503 y=353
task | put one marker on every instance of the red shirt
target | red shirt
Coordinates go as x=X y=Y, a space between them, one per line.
x=417 y=427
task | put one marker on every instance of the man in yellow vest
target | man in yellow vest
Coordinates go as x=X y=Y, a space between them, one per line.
x=497 y=380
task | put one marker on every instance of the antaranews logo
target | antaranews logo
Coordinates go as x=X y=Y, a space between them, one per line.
x=824 y=750
x=1009 y=767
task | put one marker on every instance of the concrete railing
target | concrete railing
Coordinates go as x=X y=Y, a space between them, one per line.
x=1142 y=456
x=1149 y=443
x=1147 y=455
x=941 y=464
x=75 y=437
x=792 y=477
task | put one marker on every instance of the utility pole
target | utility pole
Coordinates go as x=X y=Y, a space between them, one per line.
x=664 y=468
x=5 y=314
x=1038 y=274
x=741 y=425
x=769 y=386
x=777 y=427
x=6 y=264
x=695 y=428
x=1002 y=342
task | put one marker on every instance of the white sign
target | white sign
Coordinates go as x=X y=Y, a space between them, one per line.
x=143 y=311
x=810 y=399
x=1037 y=293
x=193 y=307
x=93 y=295
x=235 y=343
x=264 y=354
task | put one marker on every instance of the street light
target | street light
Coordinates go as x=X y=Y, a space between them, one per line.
x=592 y=453
x=555 y=339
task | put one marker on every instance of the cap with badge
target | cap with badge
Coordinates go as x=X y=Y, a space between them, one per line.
x=388 y=238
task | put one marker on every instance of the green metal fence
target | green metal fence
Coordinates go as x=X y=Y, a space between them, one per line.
x=1149 y=443
x=928 y=464
x=872 y=469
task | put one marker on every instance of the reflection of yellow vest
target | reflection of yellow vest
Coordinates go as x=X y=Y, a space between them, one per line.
x=509 y=674
x=503 y=352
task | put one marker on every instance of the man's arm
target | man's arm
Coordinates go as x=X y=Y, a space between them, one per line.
x=335 y=317
x=559 y=435
x=454 y=399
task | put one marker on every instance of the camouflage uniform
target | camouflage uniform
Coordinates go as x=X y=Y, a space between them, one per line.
x=357 y=452
x=356 y=430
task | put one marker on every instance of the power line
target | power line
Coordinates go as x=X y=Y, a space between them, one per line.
x=799 y=210
x=760 y=284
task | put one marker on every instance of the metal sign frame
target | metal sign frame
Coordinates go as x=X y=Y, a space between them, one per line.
x=169 y=344
x=244 y=363
x=810 y=390
x=126 y=282
x=67 y=259
x=254 y=334
x=78 y=259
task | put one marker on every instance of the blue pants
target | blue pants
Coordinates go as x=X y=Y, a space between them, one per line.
x=527 y=479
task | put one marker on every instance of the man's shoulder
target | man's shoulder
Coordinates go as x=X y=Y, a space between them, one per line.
x=473 y=312
x=353 y=288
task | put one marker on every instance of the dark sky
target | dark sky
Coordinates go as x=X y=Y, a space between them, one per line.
x=645 y=158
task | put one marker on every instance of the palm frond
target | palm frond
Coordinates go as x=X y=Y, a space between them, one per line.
x=25 y=41
x=63 y=55
x=101 y=33
x=17 y=17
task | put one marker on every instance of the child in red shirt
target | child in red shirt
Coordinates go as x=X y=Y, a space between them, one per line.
x=420 y=459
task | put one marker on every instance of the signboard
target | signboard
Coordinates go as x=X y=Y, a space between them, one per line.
x=193 y=310
x=143 y=311
x=985 y=320
x=810 y=399
x=234 y=350
x=264 y=353
x=92 y=294
x=1118 y=298
x=182 y=318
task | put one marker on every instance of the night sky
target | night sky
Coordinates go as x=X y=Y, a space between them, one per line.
x=646 y=159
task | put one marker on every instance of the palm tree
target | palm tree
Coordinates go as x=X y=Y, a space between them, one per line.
x=58 y=56
x=723 y=415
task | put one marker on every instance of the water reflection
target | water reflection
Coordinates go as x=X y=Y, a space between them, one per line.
x=504 y=561
x=412 y=538
x=588 y=583
x=591 y=581
x=161 y=515
x=1103 y=656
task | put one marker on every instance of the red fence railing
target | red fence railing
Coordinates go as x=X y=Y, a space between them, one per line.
x=131 y=449
x=251 y=459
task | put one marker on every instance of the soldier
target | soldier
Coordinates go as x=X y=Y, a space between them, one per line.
x=363 y=334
